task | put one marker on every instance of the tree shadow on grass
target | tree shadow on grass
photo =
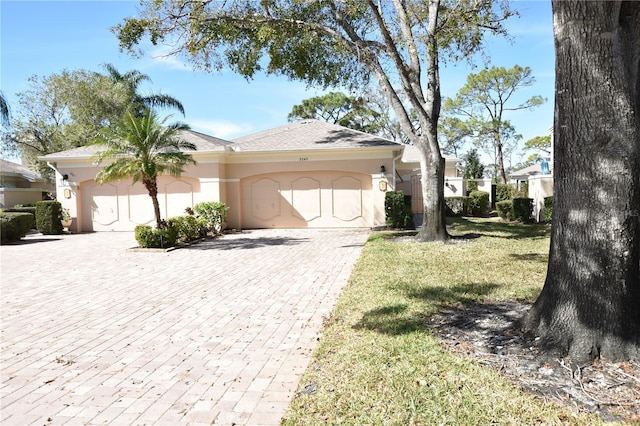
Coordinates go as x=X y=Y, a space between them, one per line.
x=500 y=229
x=531 y=257
x=391 y=320
x=395 y=320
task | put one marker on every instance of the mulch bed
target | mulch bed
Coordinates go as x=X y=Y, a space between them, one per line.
x=486 y=333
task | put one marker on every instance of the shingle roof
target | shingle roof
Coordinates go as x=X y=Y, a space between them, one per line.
x=308 y=135
x=203 y=143
x=532 y=170
x=9 y=168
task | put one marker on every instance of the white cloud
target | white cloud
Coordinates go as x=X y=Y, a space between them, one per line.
x=220 y=129
x=161 y=56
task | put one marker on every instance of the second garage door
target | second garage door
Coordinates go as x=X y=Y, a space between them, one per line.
x=315 y=199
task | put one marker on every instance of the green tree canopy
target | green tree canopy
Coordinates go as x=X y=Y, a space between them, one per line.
x=483 y=102
x=69 y=109
x=130 y=82
x=337 y=108
x=338 y=43
x=61 y=111
x=453 y=134
x=4 y=110
x=539 y=144
x=141 y=147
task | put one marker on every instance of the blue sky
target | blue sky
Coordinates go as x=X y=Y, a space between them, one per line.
x=45 y=37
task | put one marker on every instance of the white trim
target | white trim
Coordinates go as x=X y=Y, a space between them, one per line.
x=217 y=180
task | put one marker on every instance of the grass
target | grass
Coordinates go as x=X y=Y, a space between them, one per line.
x=378 y=363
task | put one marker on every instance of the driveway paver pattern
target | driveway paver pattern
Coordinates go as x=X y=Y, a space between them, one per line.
x=216 y=333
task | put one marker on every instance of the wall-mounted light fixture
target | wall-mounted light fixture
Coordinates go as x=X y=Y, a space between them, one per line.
x=383 y=169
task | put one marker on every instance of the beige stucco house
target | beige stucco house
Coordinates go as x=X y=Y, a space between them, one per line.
x=21 y=185
x=303 y=174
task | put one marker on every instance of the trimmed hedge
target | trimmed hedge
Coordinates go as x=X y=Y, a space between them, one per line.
x=31 y=210
x=148 y=237
x=456 y=206
x=505 y=209
x=14 y=225
x=504 y=191
x=48 y=217
x=523 y=209
x=478 y=202
x=397 y=207
x=548 y=208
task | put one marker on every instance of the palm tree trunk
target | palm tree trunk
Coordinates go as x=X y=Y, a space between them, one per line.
x=151 y=183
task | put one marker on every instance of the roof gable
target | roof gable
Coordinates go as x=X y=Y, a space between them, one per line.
x=9 y=168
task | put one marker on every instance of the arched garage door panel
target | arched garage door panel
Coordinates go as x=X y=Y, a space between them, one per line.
x=120 y=206
x=316 y=199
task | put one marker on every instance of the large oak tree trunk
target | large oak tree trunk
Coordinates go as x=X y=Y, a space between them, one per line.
x=432 y=164
x=590 y=304
x=432 y=180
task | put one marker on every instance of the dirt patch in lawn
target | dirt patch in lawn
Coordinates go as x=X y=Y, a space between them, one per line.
x=486 y=333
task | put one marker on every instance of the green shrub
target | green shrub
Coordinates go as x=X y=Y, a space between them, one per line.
x=522 y=209
x=188 y=227
x=478 y=202
x=456 y=206
x=504 y=191
x=156 y=238
x=213 y=214
x=472 y=185
x=505 y=209
x=14 y=225
x=48 y=217
x=24 y=209
x=548 y=208
x=397 y=208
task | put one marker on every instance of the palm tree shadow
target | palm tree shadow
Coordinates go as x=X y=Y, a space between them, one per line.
x=395 y=320
x=245 y=243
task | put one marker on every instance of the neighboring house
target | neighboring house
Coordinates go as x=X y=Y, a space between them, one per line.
x=20 y=185
x=303 y=174
x=521 y=176
x=540 y=185
x=409 y=178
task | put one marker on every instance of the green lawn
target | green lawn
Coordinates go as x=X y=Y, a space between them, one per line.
x=377 y=362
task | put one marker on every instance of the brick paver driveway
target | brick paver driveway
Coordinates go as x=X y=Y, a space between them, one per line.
x=217 y=333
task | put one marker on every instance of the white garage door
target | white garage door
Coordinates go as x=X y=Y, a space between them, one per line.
x=314 y=199
x=120 y=206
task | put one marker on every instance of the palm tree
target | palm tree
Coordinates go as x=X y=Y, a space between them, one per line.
x=4 y=110
x=143 y=147
x=132 y=80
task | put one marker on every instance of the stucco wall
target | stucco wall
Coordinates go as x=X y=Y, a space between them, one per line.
x=540 y=187
x=213 y=180
x=9 y=197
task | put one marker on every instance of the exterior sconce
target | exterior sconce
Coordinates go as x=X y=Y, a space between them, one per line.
x=383 y=170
